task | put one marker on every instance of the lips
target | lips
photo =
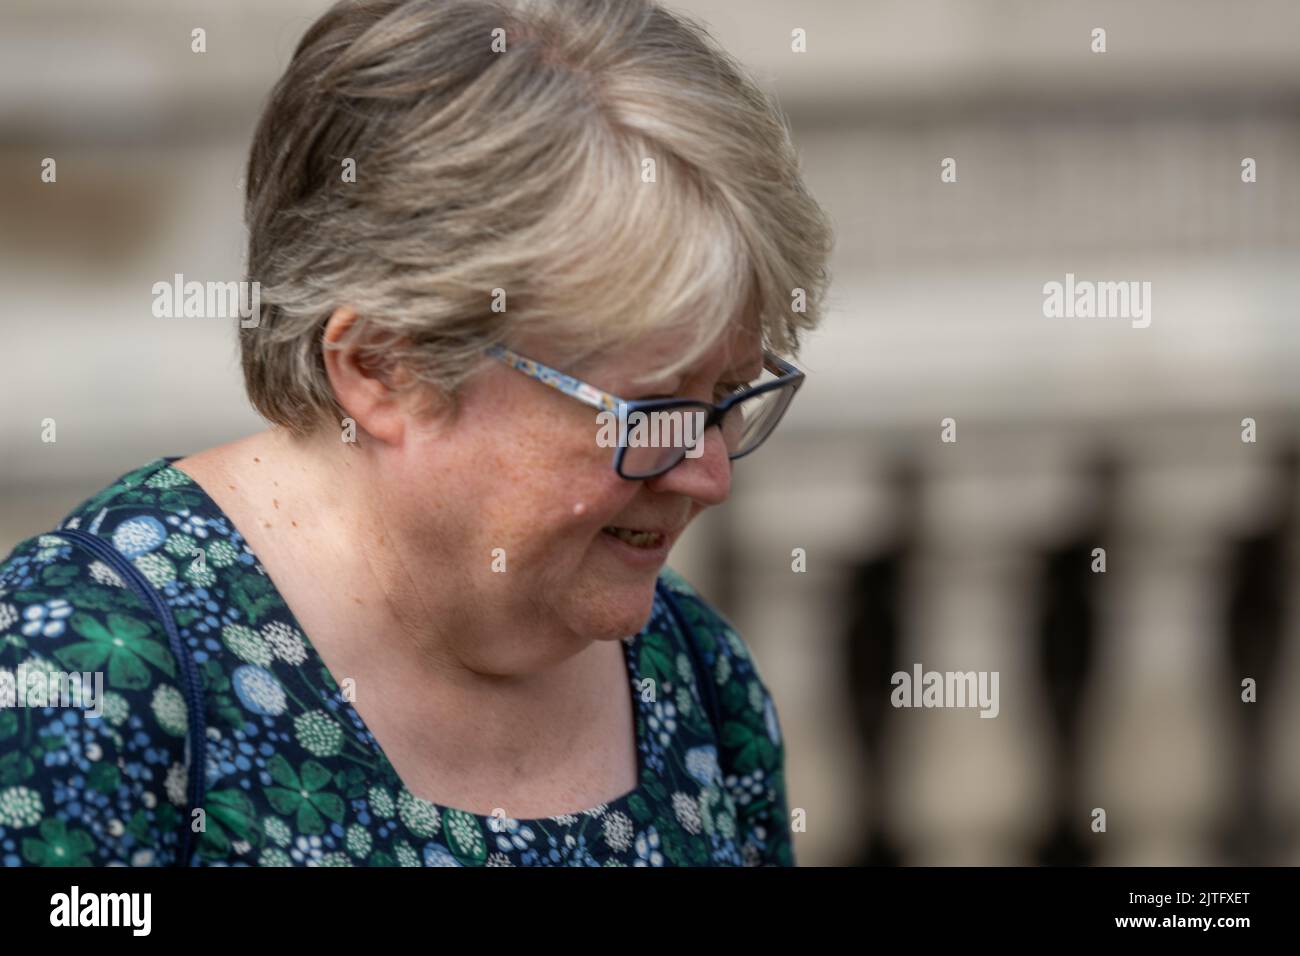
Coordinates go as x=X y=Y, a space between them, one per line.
x=636 y=537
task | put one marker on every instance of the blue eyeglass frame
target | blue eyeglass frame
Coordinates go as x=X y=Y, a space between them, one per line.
x=787 y=375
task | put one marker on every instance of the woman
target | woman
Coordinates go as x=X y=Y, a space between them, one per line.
x=424 y=618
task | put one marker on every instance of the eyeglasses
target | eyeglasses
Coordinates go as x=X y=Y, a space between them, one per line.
x=746 y=417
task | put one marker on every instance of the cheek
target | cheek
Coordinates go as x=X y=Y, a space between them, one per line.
x=595 y=505
x=586 y=501
x=564 y=516
x=533 y=502
x=563 y=474
x=542 y=486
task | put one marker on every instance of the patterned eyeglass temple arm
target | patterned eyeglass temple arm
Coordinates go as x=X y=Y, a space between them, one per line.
x=567 y=384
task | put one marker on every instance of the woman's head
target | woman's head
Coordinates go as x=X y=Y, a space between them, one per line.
x=591 y=182
x=598 y=169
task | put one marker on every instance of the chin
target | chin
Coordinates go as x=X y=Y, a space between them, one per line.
x=615 y=611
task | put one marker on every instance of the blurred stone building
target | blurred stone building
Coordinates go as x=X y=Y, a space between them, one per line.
x=1119 y=690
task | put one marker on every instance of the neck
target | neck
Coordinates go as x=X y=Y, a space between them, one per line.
x=388 y=612
x=320 y=512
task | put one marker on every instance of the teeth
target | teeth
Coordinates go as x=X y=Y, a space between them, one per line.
x=639 y=539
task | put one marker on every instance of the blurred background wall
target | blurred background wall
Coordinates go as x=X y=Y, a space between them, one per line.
x=1119 y=690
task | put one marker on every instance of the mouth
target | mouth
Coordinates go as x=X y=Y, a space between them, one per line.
x=636 y=538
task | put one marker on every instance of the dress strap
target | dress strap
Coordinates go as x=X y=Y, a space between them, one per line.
x=191 y=686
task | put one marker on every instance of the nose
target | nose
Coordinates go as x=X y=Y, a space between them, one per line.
x=707 y=478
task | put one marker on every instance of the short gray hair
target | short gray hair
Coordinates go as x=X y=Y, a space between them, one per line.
x=481 y=169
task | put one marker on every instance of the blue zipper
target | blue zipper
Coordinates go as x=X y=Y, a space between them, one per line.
x=190 y=685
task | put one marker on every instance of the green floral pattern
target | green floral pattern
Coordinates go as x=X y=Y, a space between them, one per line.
x=293 y=777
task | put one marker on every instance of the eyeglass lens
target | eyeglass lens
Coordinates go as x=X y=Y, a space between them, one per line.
x=745 y=426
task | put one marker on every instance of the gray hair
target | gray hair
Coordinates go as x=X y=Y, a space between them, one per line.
x=521 y=169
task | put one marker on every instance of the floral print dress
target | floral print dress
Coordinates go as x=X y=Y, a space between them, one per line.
x=290 y=774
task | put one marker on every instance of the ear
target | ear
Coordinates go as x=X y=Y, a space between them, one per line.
x=366 y=388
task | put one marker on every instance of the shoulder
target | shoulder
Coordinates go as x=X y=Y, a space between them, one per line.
x=751 y=751
x=56 y=595
x=92 y=718
x=154 y=508
x=721 y=645
x=750 y=722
